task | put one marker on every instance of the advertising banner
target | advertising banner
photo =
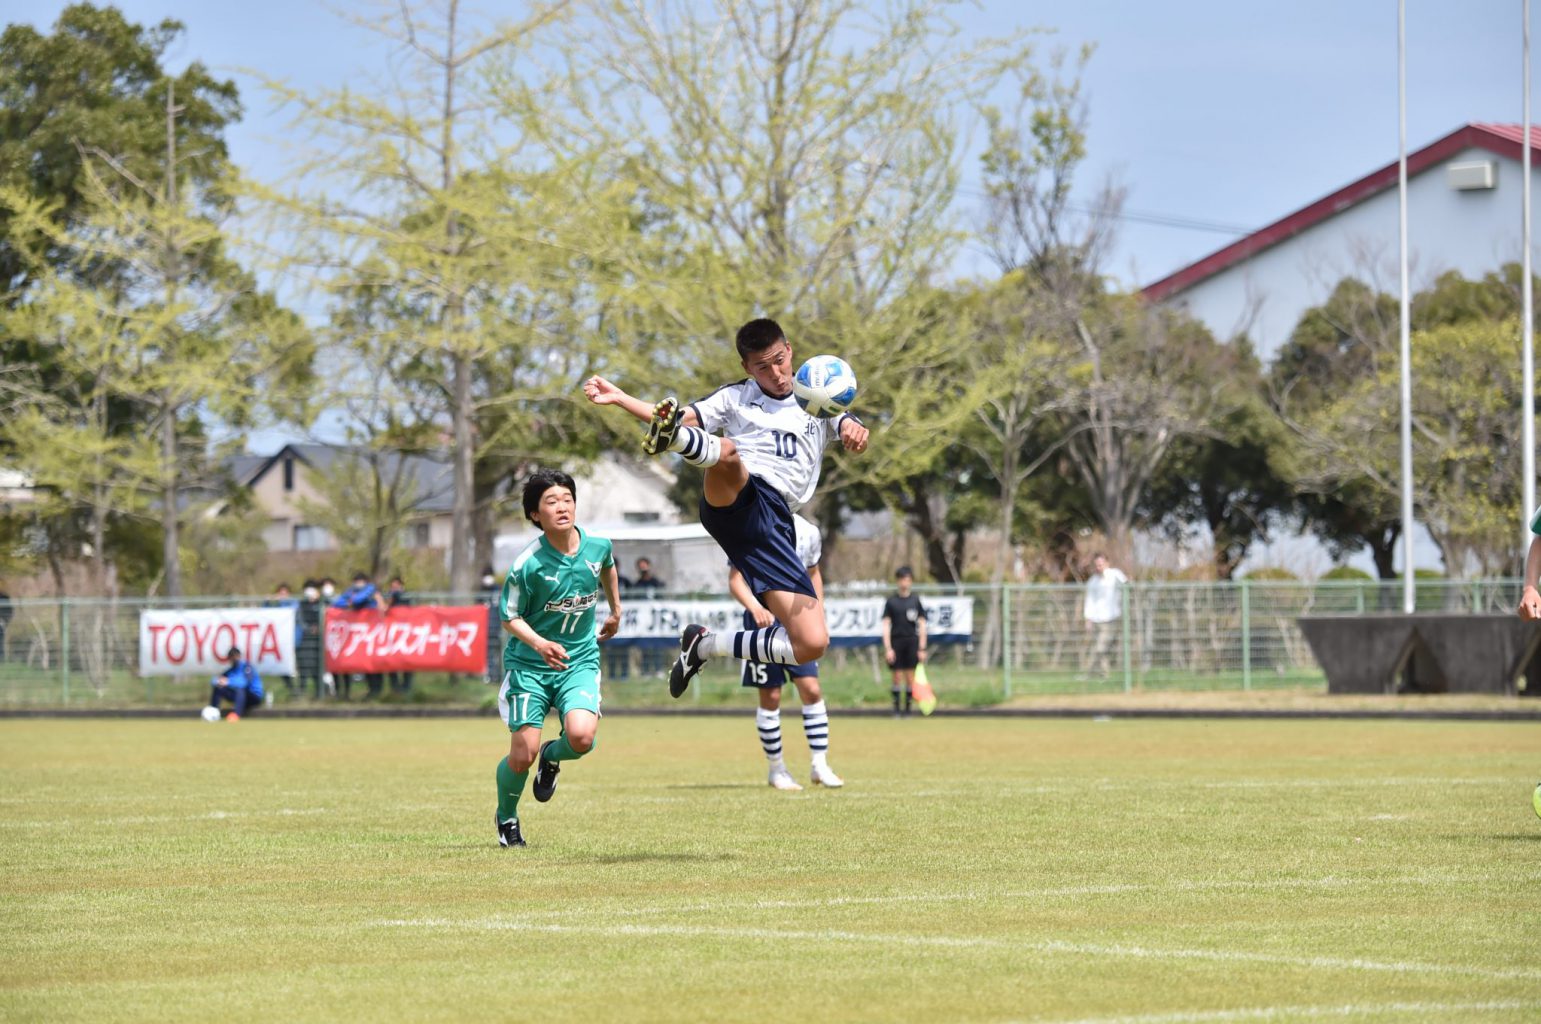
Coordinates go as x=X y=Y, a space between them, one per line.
x=194 y=641
x=420 y=638
x=853 y=622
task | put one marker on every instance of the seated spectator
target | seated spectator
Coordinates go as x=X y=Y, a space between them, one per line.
x=239 y=684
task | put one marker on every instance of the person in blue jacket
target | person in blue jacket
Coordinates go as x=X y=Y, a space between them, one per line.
x=239 y=684
x=363 y=594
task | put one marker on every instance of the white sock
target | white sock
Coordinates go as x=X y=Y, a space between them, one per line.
x=816 y=729
x=769 y=644
x=697 y=446
x=769 y=725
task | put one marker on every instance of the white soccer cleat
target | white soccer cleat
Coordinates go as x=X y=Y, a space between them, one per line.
x=826 y=778
x=782 y=779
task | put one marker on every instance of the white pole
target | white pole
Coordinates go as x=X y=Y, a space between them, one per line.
x=1409 y=594
x=1528 y=330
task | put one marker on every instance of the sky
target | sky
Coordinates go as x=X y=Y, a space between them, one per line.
x=1217 y=116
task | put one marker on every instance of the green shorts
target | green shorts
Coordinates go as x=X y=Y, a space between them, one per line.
x=528 y=693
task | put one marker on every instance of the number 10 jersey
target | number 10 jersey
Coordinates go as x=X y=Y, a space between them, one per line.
x=777 y=440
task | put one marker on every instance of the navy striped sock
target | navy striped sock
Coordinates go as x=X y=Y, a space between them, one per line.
x=697 y=446
x=816 y=728
x=768 y=644
x=769 y=725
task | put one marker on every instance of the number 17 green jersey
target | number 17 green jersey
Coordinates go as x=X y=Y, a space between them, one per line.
x=556 y=594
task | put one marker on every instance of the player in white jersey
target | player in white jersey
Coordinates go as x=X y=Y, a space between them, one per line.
x=768 y=680
x=757 y=476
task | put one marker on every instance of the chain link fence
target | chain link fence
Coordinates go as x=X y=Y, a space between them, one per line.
x=1027 y=639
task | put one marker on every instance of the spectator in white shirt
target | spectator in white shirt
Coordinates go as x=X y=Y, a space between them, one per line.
x=1103 y=605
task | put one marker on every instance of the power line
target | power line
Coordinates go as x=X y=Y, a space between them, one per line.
x=1165 y=220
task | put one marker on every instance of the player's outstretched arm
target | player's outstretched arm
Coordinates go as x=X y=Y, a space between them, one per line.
x=1530 y=599
x=610 y=580
x=739 y=588
x=602 y=392
x=853 y=435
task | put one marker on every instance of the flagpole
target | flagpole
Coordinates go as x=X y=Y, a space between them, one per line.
x=1409 y=595
x=1527 y=330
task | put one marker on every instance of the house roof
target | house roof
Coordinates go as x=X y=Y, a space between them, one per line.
x=428 y=477
x=1502 y=139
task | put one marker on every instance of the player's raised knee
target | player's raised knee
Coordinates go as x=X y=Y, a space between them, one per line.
x=521 y=761
x=582 y=741
x=811 y=647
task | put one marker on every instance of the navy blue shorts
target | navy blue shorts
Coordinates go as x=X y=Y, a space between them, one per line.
x=765 y=675
x=757 y=535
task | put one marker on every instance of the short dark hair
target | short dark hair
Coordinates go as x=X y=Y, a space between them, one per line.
x=398 y=579
x=312 y=582
x=904 y=571
x=282 y=586
x=757 y=336
x=361 y=575
x=541 y=481
x=234 y=652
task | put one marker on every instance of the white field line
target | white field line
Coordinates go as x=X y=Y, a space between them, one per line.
x=1051 y=946
x=282 y=812
x=1266 y=1013
x=874 y=787
x=1055 y=892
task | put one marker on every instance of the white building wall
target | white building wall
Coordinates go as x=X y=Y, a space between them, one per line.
x=623 y=490
x=1473 y=232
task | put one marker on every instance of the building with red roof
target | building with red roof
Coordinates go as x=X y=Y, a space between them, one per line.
x=1464 y=214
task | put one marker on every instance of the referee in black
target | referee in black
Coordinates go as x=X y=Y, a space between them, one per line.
x=904 y=636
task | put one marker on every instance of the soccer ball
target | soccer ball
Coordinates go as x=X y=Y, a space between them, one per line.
x=825 y=386
x=210 y=714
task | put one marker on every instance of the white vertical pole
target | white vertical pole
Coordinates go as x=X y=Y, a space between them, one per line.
x=1528 y=330
x=1409 y=594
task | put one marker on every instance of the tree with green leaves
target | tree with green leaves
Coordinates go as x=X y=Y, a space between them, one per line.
x=1466 y=419
x=1336 y=384
x=94 y=90
x=177 y=335
x=1121 y=382
x=95 y=85
x=470 y=224
x=1230 y=480
x=797 y=159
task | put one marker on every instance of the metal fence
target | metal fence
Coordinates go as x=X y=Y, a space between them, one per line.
x=1027 y=639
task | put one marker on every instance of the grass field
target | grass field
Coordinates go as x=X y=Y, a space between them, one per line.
x=850 y=679
x=971 y=870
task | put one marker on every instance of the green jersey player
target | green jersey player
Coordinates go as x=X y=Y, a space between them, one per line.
x=1530 y=598
x=552 y=660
